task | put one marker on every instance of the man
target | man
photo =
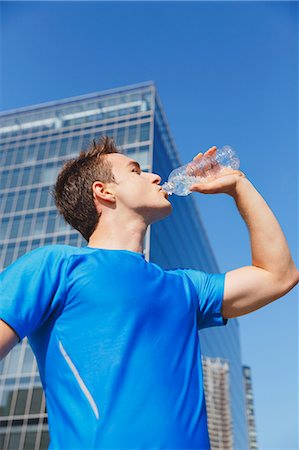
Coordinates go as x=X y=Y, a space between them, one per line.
x=115 y=336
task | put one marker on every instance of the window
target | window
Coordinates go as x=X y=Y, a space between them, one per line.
x=5 y=404
x=132 y=136
x=14 y=440
x=21 y=199
x=26 y=175
x=22 y=249
x=32 y=199
x=27 y=225
x=44 y=198
x=53 y=149
x=63 y=147
x=9 y=202
x=60 y=240
x=75 y=145
x=144 y=132
x=41 y=151
x=29 y=440
x=14 y=179
x=9 y=255
x=10 y=156
x=19 y=155
x=44 y=443
x=49 y=174
x=61 y=224
x=4 y=180
x=40 y=224
x=14 y=359
x=120 y=137
x=142 y=158
x=21 y=401
x=74 y=240
x=37 y=170
x=3 y=229
x=14 y=230
x=36 y=400
x=51 y=222
x=31 y=153
x=36 y=243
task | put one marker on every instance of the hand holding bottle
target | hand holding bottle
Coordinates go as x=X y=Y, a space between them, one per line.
x=201 y=174
x=215 y=179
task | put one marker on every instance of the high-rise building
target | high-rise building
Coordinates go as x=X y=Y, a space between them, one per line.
x=35 y=143
x=252 y=434
x=217 y=394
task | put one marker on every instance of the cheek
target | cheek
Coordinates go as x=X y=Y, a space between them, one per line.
x=133 y=194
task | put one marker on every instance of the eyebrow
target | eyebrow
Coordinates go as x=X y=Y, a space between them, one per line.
x=134 y=163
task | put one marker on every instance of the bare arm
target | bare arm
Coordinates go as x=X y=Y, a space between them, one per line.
x=273 y=272
x=8 y=339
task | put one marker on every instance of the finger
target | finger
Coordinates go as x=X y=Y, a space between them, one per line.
x=199 y=155
x=211 y=150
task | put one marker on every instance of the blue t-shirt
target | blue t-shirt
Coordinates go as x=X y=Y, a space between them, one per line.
x=116 y=342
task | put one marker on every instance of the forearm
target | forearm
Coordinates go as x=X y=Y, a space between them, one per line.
x=269 y=247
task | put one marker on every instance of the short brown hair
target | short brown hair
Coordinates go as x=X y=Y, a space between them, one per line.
x=73 y=193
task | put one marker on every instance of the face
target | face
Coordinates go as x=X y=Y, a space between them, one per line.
x=136 y=191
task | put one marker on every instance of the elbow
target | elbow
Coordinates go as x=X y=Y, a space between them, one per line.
x=296 y=278
x=292 y=280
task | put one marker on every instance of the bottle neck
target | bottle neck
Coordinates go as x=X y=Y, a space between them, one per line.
x=168 y=187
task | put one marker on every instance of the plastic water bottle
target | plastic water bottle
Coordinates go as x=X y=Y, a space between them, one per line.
x=202 y=169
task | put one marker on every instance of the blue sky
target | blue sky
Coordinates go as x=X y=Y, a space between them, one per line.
x=226 y=73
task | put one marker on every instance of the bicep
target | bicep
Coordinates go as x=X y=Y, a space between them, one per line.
x=8 y=339
x=249 y=288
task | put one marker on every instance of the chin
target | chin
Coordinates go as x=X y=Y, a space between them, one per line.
x=162 y=213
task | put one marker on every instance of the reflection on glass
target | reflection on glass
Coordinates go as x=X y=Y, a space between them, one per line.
x=14 y=358
x=45 y=440
x=36 y=400
x=20 y=206
x=44 y=198
x=28 y=360
x=29 y=440
x=32 y=199
x=144 y=132
x=14 y=441
x=5 y=403
x=49 y=174
x=40 y=224
x=21 y=401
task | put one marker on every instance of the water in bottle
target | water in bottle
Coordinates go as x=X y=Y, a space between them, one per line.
x=201 y=169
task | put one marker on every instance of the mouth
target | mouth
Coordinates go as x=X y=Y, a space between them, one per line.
x=164 y=193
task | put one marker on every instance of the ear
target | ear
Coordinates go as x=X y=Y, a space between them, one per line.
x=103 y=191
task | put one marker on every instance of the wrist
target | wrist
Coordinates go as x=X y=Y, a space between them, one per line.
x=241 y=183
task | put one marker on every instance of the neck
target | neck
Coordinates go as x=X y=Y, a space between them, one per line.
x=113 y=235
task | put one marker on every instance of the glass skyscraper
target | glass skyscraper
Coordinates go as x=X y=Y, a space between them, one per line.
x=35 y=142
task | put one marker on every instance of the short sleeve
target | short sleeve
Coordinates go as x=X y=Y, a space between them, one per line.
x=32 y=289
x=209 y=289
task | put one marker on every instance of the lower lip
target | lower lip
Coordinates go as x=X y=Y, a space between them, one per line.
x=165 y=194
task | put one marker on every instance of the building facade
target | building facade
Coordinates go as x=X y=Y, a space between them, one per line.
x=217 y=394
x=35 y=143
x=251 y=425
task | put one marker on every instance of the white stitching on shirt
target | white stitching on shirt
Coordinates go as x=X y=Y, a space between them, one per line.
x=79 y=380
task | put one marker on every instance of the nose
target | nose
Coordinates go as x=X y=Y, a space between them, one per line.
x=155 y=178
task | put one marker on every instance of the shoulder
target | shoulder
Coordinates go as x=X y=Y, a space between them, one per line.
x=51 y=256
x=187 y=274
x=54 y=251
